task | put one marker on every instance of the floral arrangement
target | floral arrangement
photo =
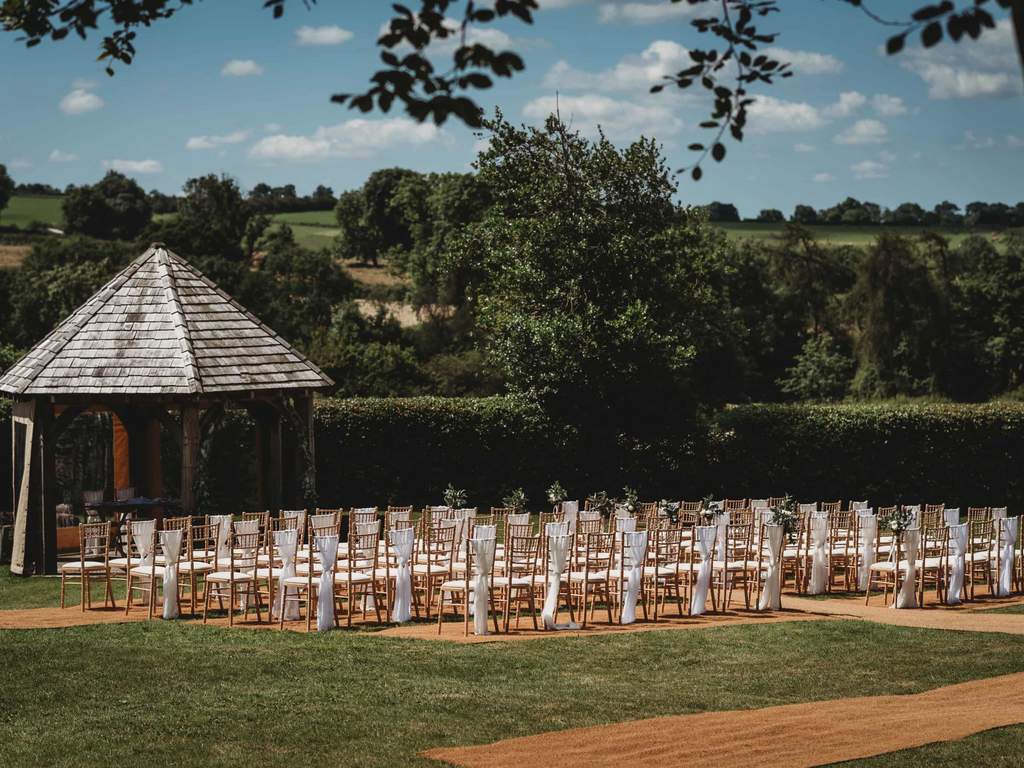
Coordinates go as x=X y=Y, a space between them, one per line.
x=784 y=514
x=899 y=520
x=631 y=500
x=600 y=502
x=515 y=501
x=556 y=493
x=669 y=509
x=455 y=498
x=712 y=508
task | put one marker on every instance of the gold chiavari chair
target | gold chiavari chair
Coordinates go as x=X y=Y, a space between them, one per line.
x=933 y=566
x=735 y=505
x=979 y=514
x=590 y=580
x=461 y=590
x=200 y=550
x=243 y=549
x=518 y=583
x=737 y=567
x=95 y=538
x=666 y=569
x=888 y=572
x=842 y=549
x=398 y=517
x=796 y=553
x=433 y=562
x=690 y=506
x=776 y=501
x=356 y=580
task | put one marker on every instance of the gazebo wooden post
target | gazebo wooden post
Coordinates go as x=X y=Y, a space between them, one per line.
x=275 y=475
x=190 y=437
x=304 y=405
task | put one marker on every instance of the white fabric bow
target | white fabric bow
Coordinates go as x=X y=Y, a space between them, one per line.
x=723 y=528
x=170 y=543
x=868 y=538
x=558 y=553
x=223 y=523
x=957 y=563
x=286 y=542
x=907 y=597
x=570 y=513
x=483 y=544
x=705 y=541
x=819 y=554
x=142 y=536
x=1007 y=543
x=634 y=550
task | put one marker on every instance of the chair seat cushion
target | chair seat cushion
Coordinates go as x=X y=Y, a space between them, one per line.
x=148 y=570
x=88 y=565
x=354 y=577
x=456 y=585
x=592 y=576
x=436 y=569
x=121 y=562
x=196 y=567
x=229 y=576
x=515 y=581
x=734 y=565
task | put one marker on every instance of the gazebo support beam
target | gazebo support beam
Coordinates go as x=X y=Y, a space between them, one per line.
x=190 y=439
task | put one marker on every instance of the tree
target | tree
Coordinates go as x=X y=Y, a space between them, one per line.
x=722 y=212
x=820 y=371
x=771 y=216
x=948 y=214
x=804 y=214
x=211 y=220
x=6 y=187
x=595 y=292
x=902 y=322
x=727 y=67
x=906 y=214
x=114 y=208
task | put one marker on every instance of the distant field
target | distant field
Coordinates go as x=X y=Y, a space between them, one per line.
x=22 y=211
x=312 y=229
x=839 y=235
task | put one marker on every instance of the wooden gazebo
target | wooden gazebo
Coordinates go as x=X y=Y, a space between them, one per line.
x=159 y=346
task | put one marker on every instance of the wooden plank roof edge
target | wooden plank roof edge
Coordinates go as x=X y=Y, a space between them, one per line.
x=180 y=325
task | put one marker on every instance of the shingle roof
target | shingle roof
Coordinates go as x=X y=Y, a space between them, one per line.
x=160 y=327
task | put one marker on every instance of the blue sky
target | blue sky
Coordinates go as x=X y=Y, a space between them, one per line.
x=223 y=87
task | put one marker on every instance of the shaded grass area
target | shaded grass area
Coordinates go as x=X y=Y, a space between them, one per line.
x=1007 y=609
x=22 y=210
x=1001 y=747
x=189 y=695
x=17 y=592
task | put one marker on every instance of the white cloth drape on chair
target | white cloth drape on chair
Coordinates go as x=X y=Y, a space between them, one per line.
x=223 y=523
x=286 y=543
x=907 y=597
x=951 y=516
x=519 y=518
x=722 y=522
x=556 y=529
x=570 y=513
x=771 y=592
x=819 y=554
x=483 y=544
x=704 y=539
x=142 y=539
x=1007 y=543
x=402 y=540
x=558 y=554
x=327 y=546
x=868 y=537
x=634 y=551
x=170 y=544
x=957 y=563
x=625 y=524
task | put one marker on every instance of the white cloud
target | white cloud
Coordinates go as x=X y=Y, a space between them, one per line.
x=769 y=114
x=806 y=62
x=987 y=67
x=134 y=166
x=660 y=59
x=823 y=178
x=57 y=156
x=617 y=118
x=888 y=106
x=19 y=163
x=241 y=68
x=273 y=127
x=210 y=142
x=645 y=13
x=973 y=141
x=328 y=35
x=887 y=157
x=848 y=103
x=869 y=169
x=863 y=132
x=804 y=148
x=1014 y=142
x=352 y=138
x=79 y=101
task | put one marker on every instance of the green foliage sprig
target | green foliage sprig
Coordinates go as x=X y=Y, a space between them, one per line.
x=454 y=497
x=556 y=493
x=516 y=501
x=601 y=502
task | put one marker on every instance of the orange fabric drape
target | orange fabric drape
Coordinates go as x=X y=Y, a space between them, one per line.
x=122 y=457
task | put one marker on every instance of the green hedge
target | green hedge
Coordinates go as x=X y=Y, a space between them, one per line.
x=958 y=454
x=405 y=450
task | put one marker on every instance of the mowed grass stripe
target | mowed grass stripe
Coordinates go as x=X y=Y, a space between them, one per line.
x=187 y=696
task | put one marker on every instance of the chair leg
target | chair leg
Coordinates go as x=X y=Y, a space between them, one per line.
x=206 y=601
x=63 y=579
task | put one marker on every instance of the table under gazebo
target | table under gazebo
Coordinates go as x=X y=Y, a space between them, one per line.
x=164 y=349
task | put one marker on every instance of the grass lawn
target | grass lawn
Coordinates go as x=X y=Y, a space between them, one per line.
x=22 y=210
x=312 y=229
x=210 y=696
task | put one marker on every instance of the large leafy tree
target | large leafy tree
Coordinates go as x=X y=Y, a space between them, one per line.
x=593 y=291
x=211 y=221
x=113 y=208
x=6 y=187
x=729 y=66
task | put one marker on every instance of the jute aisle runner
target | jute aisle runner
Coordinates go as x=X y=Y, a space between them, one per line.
x=815 y=733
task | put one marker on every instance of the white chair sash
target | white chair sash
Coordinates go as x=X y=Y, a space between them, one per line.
x=957 y=563
x=142 y=538
x=170 y=543
x=705 y=541
x=328 y=548
x=998 y=513
x=223 y=523
x=484 y=544
x=246 y=527
x=519 y=518
x=570 y=513
x=634 y=551
x=907 y=597
x=868 y=539
x=286 y=542
x=556 y=529
x=819 y=554
x=858 y=505
x=951 y=517
x=723 y=527
x=1007 y=543
x=771 y=592
x=625 y=524
x=558 y=552
x=401 y=541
